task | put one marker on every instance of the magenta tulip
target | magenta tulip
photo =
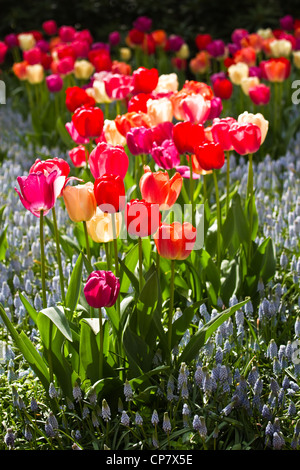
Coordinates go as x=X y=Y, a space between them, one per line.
x=108 y=159
x=101 y=289
x=38 y=192
x=166 y=155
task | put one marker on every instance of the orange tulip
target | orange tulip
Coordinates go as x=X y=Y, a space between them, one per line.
x=175 y=241
x=158 y=188
x=20 y=69
x=80 y=201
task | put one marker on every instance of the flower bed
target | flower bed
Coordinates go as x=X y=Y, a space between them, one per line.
x=150 y=249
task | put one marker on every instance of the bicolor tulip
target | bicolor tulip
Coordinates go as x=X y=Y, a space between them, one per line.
x=109 y=192
x=158 y=188
x=142 y=218
x=196 y=108
x=108 y=159
x=47 y=166
x=257 y=119
x=125 y=122
x=276 y=69
x=175 y=241
x=80 y=201
x=101 y=289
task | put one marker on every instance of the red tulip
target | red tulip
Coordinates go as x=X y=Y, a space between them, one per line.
x=158 y=188
x=109 y=192
x=145 y=80
x=108 y=159
x=187 y=135
x=142 y=218
x=139 y=102
x=202 y=40
x=77 y=97
x=88 y=121
x=175 y=241
x=3 y=51
x=223 y=88
x=50 y=27
x=78 y=156
x=210 y=156
x=245 y=138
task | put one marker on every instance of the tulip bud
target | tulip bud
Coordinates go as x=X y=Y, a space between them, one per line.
x=101 y=289
x=80 y=201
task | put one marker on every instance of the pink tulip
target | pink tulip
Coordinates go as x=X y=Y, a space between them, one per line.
x=139 y=140
x=260 y=94
x=47 y=166
x=220 y=132
x=196 y=108
x=245 y=138
x=3 y=51
x=37 y=192
x=54 y=83
x=108 y=159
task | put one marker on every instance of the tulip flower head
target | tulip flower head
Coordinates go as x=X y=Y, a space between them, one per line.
x=108 y=159
x=37 y=192
x=260 y=94
x=257 y=119
x=100 y=226
x=101 y=289
x=61 y=167
x=158 y=188
x=88 y=121
x=187 y=135
x=109 y=192
x=209 y=156
x=145 y=80
x=245 y=138
x=175 y=241
x=80 y=201
x=77 y=97
x=142 y=218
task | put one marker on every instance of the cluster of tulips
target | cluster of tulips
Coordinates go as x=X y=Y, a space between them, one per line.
x=139 y=142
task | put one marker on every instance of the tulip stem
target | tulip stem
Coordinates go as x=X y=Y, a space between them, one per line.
x=218 y=218
x=101 y=344
x=88 y=252
x=43 y=258
x=250 y=198
x=115 y=242
x=108 y=261
x=61 y=277
x=192 y=190
x=171 y=304
x=227 y=181
x=140 y=241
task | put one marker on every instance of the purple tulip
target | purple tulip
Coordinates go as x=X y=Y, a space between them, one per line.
x=11 y=40
x=54 y=83
x=237 y=35
x=232 y=48
x=287 y=23
x=216 y=48
x=101 y=289
x=166 y=155
x=143 y=23
x=175 y=42
x=255 y=72
x=217 y=75
x=114 y=38
x=38 y=192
